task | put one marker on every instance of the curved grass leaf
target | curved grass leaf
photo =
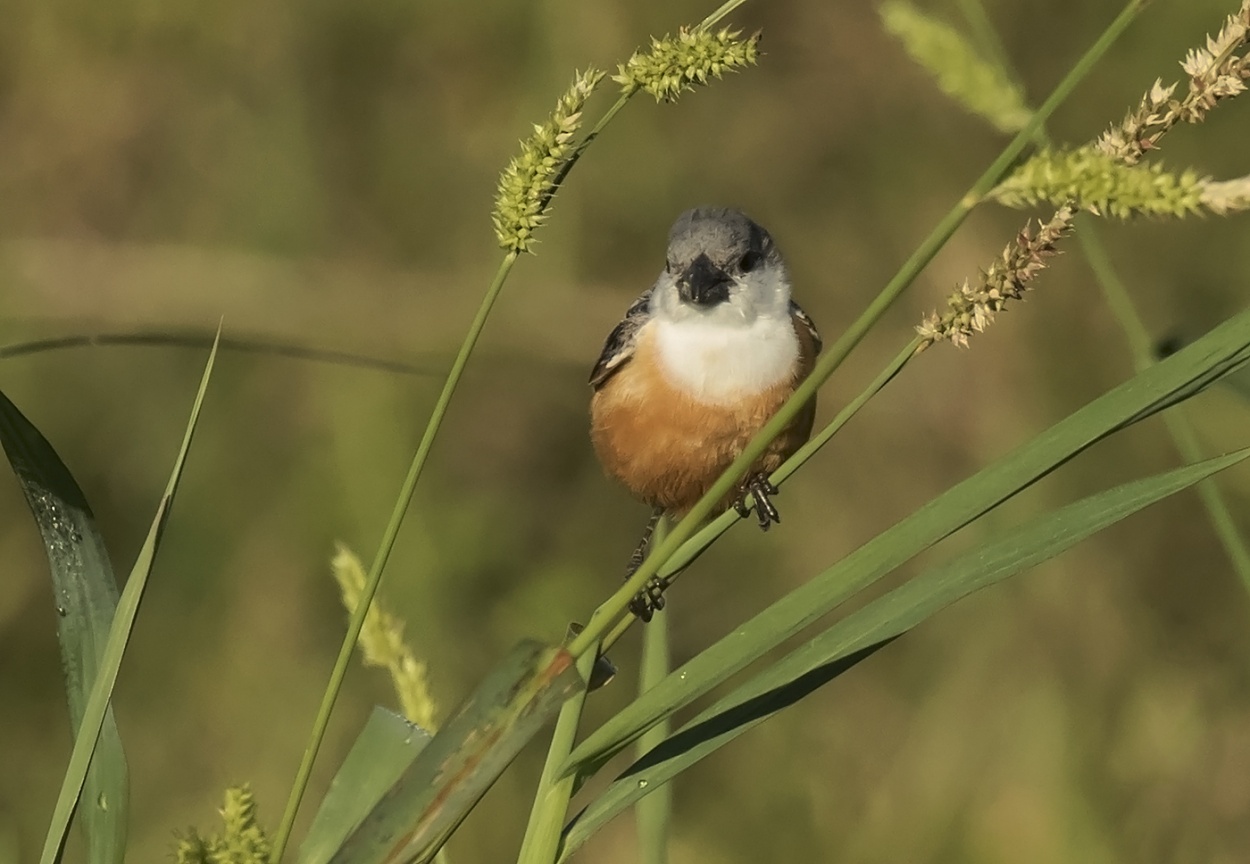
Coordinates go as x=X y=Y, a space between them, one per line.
x=111 y=656
x=860 y=634
x=384 y=749
x=1180 y=376
x=433 y=795
x=86 y=596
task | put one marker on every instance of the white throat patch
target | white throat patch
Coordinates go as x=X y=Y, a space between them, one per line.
x=719 y=364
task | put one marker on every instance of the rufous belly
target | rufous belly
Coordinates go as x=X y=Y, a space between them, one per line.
x=668 y=449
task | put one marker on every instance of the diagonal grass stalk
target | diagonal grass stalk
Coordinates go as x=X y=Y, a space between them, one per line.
x=720 y=13
x=1223 y=350
x=93 y=714
x=343 y=660
x=1177 y=421
x=689 y=550
x=709 y=533
x=1120 y=302
x=857 y=636
x=605 y=617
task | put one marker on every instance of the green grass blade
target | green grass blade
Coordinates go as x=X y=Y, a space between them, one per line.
x=86 y=596
x=609 y=612
x=654 y=813
x=435 y=792
x=1223 y=349
x=389 y=535
x=860 y=634
x=384 y=749
x=541 y=842
x=114 y=647
x=1120 y=301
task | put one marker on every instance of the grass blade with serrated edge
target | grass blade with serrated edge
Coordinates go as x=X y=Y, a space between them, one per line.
x=884 y=619
x=115 y=646
x=385 y=747
x=1223 y=349
x=468 y=754
x=86 y=597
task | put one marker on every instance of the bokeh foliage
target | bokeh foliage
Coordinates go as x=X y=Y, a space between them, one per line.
x=324 y=175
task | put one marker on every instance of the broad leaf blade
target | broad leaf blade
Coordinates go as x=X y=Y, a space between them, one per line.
x=86 y=597
x=860 y=634
x=383 y=751
x=1221 y=351
x=455 y=769
x=115 y=647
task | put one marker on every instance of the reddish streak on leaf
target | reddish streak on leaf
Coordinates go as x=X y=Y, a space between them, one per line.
x=541 y=681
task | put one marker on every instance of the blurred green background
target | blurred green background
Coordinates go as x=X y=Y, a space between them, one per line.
x=322 y=174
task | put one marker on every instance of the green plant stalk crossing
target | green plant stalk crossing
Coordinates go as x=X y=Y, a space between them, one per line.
x=1120 y=302
x=551 y=800
x=687 y=552
x=1176 y=421
x=605 y=616
x=115 y=647
x=343 y=660
x=414 y=471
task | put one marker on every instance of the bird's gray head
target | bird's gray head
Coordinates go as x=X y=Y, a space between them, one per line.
x=721 y=268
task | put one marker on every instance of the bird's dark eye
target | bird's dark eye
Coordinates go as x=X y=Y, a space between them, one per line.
x=668 y=266
x=750 y=261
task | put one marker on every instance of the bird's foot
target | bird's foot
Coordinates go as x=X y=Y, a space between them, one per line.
x=650 y=599
x=760 y=490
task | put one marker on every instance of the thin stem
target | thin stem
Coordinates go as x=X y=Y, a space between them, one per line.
x=1125 y=312
x=654 y=812
x=720 y=13
x=191 y=339
x=691 y=549
x=1176 y=420
x=606 y=615
x=551 y=800
x=384 y=552
x=594 y=133
x=614 y=635
x=1116 y=295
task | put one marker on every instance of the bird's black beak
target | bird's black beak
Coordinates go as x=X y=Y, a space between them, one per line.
x=703 y=283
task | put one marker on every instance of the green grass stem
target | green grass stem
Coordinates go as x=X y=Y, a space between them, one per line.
x=607 y=614
x=551 y=800
x=1177 y=421
x=655 y=812
x=122 y=626
x=709 y=533
x=1120 y=302
x=343 y=661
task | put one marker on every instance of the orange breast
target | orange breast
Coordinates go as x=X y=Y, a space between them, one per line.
x=668 y=449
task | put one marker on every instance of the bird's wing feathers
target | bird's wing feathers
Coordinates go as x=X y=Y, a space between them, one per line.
x=620 y=345
x=797 y=313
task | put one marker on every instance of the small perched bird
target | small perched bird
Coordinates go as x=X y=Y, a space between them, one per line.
x=700 y=362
